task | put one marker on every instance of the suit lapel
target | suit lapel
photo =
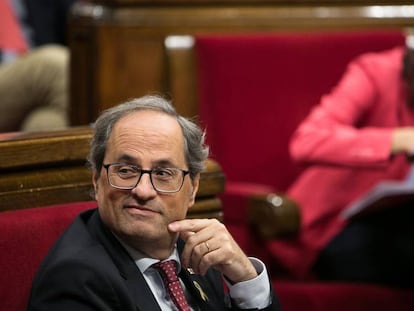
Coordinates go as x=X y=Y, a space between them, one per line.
x=134 y=280
x=202 y=290
x=138 y=288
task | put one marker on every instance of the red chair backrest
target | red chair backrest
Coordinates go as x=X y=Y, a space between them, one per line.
x=254 y=90
x=25 y=237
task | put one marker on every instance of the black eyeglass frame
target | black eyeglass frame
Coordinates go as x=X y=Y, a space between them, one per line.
x=142 y=172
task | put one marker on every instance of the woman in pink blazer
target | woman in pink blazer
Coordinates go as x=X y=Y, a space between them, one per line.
x=359 y=134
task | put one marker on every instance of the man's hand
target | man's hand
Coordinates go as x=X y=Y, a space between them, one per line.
x=209 y=244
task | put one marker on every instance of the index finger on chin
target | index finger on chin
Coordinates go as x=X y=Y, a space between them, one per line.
x=193 y=225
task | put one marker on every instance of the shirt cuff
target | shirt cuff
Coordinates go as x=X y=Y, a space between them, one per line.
x=254 y=293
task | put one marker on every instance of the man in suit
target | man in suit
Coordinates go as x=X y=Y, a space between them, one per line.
x=141 y=154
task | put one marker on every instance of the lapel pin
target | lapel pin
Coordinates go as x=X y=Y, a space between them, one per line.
x=202 y=293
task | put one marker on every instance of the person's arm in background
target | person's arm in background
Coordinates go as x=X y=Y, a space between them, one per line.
x=355 y=124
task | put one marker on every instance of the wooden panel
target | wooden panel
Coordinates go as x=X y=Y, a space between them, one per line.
x=118 y=49
x=206 y=208
x=128 y=56
x=83 y=90
x=181 y=80
x=44 y=148
x=212 y=180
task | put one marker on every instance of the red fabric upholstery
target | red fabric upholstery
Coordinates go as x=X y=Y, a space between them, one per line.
x=254 y=90
x=26 y=236
x=341 y=297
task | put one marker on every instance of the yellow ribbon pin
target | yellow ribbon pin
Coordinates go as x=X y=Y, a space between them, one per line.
x=202 y=293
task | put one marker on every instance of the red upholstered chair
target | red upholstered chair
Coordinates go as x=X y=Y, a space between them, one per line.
x=319 y=296
x=254 y=90
x=26 y=236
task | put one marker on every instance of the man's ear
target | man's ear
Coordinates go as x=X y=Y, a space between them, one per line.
x=195 y=183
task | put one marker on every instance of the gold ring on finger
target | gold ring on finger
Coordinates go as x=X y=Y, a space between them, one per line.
x=207 y=246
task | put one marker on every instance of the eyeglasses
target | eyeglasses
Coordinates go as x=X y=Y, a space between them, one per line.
x=127 y=177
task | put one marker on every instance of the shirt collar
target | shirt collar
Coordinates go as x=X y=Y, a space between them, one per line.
x=144 y=262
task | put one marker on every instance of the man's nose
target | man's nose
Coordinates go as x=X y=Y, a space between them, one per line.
x=144 y=186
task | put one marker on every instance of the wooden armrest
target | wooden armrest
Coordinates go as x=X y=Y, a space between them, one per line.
x=273 y=215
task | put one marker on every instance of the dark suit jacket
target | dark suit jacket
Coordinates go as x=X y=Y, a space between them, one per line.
x=88 y=269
